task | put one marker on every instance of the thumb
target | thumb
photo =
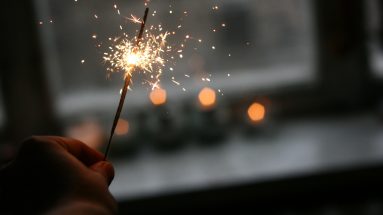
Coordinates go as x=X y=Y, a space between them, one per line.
x=105 y=169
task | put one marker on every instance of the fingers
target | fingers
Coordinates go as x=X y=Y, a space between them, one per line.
x=88 y=156
x=78 y=149
x=105 y=169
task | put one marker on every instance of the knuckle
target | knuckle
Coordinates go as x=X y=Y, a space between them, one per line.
x=34 y=143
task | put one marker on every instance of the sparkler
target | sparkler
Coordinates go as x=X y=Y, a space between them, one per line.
x=132 y=60
x=147 y=53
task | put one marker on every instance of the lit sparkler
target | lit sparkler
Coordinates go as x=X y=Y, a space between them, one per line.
x=128 y=57
x=147 y=53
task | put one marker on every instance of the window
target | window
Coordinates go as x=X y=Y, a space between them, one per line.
x=257 y=45
x=246 y=47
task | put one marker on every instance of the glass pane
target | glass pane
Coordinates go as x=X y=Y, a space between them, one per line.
x=235 y=47
x=268 y=41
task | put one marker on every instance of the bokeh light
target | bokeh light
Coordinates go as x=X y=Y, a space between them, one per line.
x=256 y=112
x=207 y=97
x=158 y=96
x=122 y=127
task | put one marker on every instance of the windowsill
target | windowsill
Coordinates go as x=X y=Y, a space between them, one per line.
x=313 y=146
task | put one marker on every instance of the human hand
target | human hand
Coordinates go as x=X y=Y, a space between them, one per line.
x=57 y=175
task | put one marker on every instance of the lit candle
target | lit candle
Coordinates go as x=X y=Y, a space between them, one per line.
x=211 y=121
x=158 y=96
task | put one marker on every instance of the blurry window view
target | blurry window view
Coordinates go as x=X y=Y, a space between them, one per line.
x=247 y=46
x=263 y=44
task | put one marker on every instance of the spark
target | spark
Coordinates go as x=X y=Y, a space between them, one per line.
x=135 y=19
x=177 y=83
x=147 y=57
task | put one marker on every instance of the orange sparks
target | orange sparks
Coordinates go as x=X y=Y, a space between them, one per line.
x=147 y=57
x=135 y=19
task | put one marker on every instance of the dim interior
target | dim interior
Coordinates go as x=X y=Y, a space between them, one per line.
x=265 y=95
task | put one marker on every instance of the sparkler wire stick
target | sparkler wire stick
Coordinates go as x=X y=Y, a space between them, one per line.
x=125 y=88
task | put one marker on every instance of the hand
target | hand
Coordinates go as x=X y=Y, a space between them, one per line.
x=57 y=175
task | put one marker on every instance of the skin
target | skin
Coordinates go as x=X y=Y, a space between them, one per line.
x=57 y=175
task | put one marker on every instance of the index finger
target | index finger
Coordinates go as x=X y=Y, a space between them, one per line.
x=77 y=148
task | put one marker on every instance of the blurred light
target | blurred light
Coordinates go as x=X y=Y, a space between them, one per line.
x=207 y=97
x=122 y=127
x=256 y=112
x=89 y=132
x=158 y=96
